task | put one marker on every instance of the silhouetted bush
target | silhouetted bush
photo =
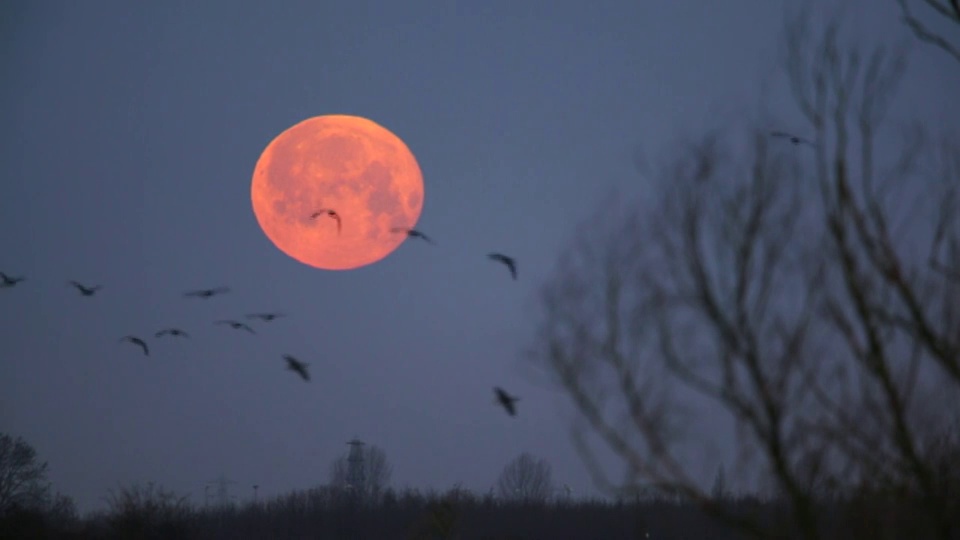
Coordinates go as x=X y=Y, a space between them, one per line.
x=147 y=512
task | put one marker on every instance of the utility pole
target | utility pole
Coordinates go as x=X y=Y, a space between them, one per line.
x=223 y=496
x=356 y=473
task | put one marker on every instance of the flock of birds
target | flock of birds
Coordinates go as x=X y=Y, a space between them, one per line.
x=506 y=260
x=502 y=397
x=507 y=401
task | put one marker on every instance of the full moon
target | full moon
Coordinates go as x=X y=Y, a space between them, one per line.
x=347 y=164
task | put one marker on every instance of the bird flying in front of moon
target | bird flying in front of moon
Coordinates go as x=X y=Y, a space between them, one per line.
x=333 y=214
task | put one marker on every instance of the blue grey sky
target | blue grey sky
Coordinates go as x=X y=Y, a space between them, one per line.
x=129 y=136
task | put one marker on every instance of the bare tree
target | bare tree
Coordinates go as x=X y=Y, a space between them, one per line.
x=527 y=479
x=376 y=472
x=934 y=11
x=23 y=479
x=809 y=295
x=147 y=511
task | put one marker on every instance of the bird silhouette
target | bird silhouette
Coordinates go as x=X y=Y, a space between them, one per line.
x=137 y=341
x=236 y=325
x=8 y=281
x=295 y=365
x=267 y=317
x=791 y=137
x=84 y=290
x=328 y=212
x=413 y=233
x=175 y=332
x=506 y=400
x=510 y=262
x=207 y=293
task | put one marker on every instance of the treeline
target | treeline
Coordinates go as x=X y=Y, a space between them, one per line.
x=151 y=512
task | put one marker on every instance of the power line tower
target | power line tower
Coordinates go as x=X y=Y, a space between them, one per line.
x=356 y=473
x=223 y=496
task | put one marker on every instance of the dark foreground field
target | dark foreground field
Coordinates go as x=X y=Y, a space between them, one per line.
x=150 y=513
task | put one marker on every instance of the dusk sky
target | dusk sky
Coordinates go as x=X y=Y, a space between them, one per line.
x=129 y=136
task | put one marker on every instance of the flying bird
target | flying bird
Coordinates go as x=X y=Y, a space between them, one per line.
x=137 y=341
x=267 y=317
x=236 y=325
x=791 y=137
x=413 y=233
x=175 y=332
x=506 y=400
x=207 y=293
x=295 y=365
x=328 y=212
x=510 y=262
x=84 y=290
x=8 y=281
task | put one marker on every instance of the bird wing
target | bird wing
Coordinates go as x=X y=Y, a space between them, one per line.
x=137 y=341
x=302 y=370
x=508 y=261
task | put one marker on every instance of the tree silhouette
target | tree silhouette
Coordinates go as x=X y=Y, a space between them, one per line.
x=23 y=479
x=809 y=295
x=934 y=10
x=526 y=479
x=376 y=473
x=147 y=511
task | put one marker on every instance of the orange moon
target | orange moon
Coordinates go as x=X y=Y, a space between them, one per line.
x=348 y=164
